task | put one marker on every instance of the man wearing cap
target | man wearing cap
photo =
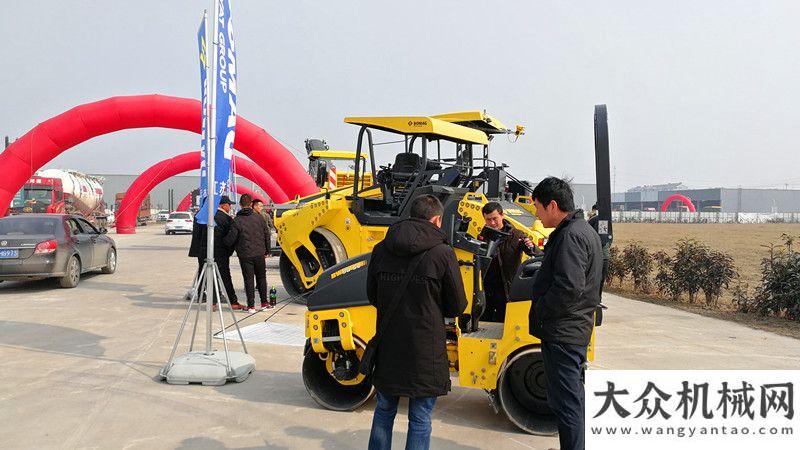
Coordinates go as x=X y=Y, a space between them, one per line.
x=222 y=252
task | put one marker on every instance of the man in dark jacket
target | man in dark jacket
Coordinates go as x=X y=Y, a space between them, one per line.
x=500 y=273
x=258 y=208
x=222 y=253
x=249 y=237
x=565 y=295
x=411 y=359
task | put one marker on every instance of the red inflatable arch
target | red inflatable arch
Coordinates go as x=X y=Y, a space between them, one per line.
x=682 y=198
x=144 y=183
x=240 y=189
x=66 y=130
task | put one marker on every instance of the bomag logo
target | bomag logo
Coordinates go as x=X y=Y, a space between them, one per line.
x=348 y=269
x=418 y=123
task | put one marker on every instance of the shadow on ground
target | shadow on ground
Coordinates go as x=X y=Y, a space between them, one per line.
x=156 y=301
x=461 y=407
x=50 y=338
x=27 y=287
x=359 y=438
x=276 y=388
x=206 y=443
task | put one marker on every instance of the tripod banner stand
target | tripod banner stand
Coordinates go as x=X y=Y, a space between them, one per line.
x=210 y=366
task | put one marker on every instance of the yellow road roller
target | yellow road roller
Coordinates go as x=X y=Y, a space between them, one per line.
x=501 y=358
x=445 y=155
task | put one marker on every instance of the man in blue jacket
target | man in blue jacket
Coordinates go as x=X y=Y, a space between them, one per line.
x=566 y=293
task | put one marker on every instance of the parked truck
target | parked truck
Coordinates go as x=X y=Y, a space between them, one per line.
x=62 y=191
x=144 y=214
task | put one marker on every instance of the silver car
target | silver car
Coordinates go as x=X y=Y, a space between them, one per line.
x=62 y=246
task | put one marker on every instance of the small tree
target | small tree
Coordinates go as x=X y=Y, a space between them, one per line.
x=779 y=292
x=639 y=263
x=690 y=257
x=718 y=272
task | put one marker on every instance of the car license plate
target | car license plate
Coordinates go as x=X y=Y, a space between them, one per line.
x=9 y=253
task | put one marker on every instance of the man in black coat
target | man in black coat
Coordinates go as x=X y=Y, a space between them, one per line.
x=249 y=237
x=222 y=253
x=566 y=293
x=411 y=359
x=500 y=273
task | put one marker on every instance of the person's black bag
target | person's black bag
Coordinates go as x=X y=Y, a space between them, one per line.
x=368 y=358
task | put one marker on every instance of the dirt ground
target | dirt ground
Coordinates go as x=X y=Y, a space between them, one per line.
x=746 y=243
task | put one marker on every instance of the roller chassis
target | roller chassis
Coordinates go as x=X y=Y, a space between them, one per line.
x=503 y=359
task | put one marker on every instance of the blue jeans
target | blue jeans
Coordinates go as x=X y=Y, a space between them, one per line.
x=419 y=422
x=563 y=366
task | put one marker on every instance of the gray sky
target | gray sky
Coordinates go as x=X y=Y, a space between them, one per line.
x=704 y=92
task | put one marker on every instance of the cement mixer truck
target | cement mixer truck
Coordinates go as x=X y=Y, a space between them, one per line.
x=62 y=191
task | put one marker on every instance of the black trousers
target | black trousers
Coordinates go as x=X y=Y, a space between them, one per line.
x=254 y=267
x=495 y=304
x=224 y=266
x=563 y=367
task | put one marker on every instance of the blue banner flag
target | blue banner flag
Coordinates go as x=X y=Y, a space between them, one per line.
x=201 y=43
x=224 y=102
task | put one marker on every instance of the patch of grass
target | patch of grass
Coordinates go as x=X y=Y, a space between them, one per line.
x=745 y=243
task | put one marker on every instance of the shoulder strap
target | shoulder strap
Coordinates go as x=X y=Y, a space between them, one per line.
x=392 y=306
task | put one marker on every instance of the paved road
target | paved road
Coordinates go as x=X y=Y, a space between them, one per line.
x=79 y=365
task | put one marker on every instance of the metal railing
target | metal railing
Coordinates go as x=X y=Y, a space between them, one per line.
x=703 y=217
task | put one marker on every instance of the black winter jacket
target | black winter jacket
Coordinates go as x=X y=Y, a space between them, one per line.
x=199 y=244
x=508 y=256
x=566 y=291
x=248 y=235
x=411 y=360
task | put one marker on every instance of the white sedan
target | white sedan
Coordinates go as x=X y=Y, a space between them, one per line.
x=179 y=222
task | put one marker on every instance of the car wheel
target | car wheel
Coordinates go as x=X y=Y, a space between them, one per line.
x=72 y=274
x=111 y=262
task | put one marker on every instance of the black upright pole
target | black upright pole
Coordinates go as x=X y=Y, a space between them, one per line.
x=602 y=173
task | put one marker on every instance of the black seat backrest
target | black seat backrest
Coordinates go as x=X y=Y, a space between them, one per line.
x=405 y=163
x=522 y=285
x=449 y=177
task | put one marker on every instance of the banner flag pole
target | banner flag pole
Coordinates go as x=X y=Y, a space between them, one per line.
x=219 y=87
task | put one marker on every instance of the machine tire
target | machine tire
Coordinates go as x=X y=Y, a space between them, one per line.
x=330 y=250
x=290 y=277
x=328 y=392
x=522 y=394
x=72 y=275
x=111 y=262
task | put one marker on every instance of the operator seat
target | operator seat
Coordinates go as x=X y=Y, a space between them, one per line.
x=405 y=164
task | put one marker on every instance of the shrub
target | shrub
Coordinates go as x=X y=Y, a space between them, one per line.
x=779 y=292
x=690 y=257
x=741 y=298
x=616 y=266
x=718 y=271
x=638 y=262
x=666 y=282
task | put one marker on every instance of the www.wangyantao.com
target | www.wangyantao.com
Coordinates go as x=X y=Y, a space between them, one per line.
x=689 y=432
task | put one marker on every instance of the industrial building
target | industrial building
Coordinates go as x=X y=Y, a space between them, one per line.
x=725 y=200
x=165 y=195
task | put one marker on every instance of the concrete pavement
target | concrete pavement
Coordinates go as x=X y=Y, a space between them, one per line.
x=79 y=367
